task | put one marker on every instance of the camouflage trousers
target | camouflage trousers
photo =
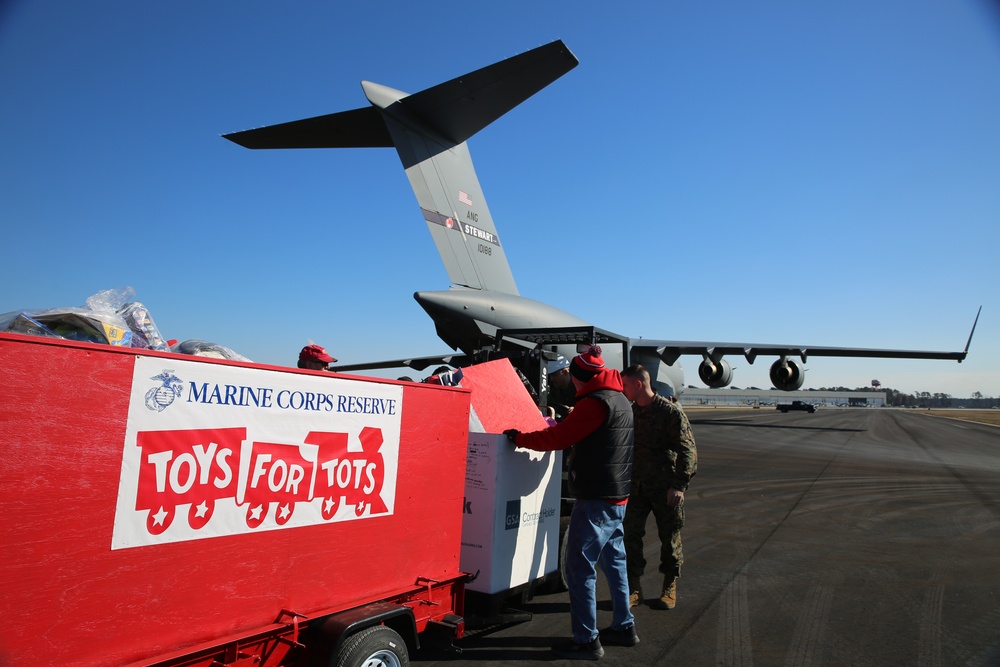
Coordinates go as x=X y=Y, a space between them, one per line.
x=646 y=498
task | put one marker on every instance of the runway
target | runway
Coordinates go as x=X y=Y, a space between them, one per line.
x=844 y=537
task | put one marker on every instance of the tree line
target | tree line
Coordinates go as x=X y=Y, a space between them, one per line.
x=926 y=399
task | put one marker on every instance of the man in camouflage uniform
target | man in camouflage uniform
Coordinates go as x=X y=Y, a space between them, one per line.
x=665 y=460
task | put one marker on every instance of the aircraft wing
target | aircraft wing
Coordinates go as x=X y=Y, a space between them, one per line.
x=416 y=363
x=670 y=350
x=786 y=373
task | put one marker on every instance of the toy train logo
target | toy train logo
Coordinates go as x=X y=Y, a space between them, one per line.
x=204 y=468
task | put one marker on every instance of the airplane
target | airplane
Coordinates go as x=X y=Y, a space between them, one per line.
x=483 y=311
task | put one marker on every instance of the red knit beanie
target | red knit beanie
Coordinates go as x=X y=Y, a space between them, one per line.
x=587 y=365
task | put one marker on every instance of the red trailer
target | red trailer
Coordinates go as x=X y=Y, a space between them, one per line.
x=160 y=509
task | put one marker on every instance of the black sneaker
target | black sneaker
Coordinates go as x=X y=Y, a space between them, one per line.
x=624 y=637
x=573 y=651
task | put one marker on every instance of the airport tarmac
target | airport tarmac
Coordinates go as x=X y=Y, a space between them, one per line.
x=844 y=537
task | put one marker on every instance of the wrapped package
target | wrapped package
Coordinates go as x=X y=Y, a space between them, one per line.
x=98 y=322
x=23 y=324
x=70 y=323
x=87 y=325
x=200 y=348
x=145 y=334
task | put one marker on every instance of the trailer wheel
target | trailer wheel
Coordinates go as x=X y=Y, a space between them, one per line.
x=377 y=646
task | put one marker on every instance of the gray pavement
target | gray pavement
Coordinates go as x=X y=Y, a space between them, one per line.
x=845 y=537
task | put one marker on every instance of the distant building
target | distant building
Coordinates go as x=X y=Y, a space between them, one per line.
x=694 y=396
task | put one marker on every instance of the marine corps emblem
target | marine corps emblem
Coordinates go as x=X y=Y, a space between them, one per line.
x=158 y=398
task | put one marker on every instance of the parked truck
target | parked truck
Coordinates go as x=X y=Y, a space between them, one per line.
x=796 y=406
x=157 y=509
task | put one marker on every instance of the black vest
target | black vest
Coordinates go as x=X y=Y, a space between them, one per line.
x=600 y=465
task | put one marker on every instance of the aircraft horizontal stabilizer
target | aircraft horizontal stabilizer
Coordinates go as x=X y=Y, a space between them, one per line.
x=456 y=109
x=459 y=108
x=358 y=128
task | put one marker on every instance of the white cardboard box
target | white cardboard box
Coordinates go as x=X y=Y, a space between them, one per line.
x=510 y=521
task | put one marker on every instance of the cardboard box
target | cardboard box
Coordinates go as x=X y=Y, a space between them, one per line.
x=510 y=524
x=510 y=520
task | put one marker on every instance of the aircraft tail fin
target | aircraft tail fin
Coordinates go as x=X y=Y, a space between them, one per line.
x=429 y=130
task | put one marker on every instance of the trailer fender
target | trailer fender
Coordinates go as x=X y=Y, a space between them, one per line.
x=338 y=627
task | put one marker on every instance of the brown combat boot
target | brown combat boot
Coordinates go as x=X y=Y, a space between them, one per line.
x=634 y=598
x=668 y=598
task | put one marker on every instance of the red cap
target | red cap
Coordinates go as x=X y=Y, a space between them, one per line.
x=315 y=352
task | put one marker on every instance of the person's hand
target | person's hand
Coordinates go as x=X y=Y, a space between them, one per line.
x=674 y=497
x=512 y=434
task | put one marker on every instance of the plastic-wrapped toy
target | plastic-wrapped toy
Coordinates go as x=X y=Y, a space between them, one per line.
x=200 y=348
x=23 y=324
x=145 y=334
x=97 y=323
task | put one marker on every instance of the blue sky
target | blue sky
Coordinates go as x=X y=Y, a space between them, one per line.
x=767 y=172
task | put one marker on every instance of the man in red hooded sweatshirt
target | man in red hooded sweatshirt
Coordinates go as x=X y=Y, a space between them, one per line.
x=600 y=476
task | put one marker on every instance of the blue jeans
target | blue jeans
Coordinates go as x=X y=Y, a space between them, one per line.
x=596 y=537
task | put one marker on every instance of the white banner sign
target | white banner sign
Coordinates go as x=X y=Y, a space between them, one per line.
x=215 y=450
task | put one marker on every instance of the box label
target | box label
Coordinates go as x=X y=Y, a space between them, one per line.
x=512 y=520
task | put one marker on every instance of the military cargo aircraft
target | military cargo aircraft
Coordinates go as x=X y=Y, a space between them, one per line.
x=483 y=310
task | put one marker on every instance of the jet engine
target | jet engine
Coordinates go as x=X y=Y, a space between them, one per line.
x=715 y=374
x=787 y=374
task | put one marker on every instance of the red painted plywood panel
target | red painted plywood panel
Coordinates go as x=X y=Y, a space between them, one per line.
x=499 y=398
x=70 y=599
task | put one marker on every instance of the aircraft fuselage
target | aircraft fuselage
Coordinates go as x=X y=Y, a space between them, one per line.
x=469 y=319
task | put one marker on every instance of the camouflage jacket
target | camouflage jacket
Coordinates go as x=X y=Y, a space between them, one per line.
x=665 y=452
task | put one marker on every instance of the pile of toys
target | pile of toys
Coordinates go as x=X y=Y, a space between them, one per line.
x=111 y=317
